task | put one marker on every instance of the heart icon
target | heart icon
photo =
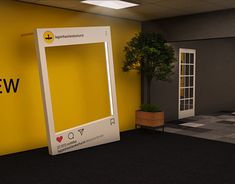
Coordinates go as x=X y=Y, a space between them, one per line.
x=59 y=139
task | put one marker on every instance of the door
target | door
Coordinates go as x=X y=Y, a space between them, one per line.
x=187 y=65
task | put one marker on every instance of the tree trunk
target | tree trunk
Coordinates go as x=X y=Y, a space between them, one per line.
x=149 y=90
x=143 y=88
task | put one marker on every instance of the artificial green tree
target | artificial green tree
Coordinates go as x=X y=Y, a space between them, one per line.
x=152 y=56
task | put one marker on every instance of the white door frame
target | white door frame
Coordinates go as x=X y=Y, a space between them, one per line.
x=186 y=103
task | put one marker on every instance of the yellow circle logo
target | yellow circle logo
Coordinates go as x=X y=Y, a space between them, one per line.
x=48 y=37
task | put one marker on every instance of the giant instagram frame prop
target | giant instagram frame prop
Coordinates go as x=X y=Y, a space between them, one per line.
x=94 y=133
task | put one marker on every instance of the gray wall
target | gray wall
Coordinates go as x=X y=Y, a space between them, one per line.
x=215 y=64
x=201 y=26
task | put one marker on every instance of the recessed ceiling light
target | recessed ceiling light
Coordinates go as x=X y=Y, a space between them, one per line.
x=114 y=4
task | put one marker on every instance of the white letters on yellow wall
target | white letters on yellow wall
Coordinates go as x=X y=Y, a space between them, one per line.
x=94 y=133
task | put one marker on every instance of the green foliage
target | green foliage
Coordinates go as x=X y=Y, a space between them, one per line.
x=151 y=55
x=150 y=108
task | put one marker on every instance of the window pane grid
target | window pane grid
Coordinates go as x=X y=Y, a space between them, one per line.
x=186 y=84
x=186 y=104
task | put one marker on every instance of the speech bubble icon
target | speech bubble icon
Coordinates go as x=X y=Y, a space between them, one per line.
x=71 y=135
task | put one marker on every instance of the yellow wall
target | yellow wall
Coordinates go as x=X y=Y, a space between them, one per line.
x=80 y=96
x=22 y=124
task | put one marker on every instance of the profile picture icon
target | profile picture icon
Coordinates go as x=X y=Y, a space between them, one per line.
x=48 y=37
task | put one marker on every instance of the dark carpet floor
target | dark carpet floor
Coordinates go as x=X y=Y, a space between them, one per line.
x=141 y=157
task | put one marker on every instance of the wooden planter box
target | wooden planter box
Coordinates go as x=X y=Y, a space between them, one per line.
x=149 y=119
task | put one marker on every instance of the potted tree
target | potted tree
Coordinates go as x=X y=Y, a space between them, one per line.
x=149 y=54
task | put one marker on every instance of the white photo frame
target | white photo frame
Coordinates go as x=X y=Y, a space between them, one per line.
x=94 y=133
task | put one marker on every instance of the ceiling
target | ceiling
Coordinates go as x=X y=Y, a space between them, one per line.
x=148 y=9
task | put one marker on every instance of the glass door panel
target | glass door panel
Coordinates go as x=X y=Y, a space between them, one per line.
x=187 y=83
